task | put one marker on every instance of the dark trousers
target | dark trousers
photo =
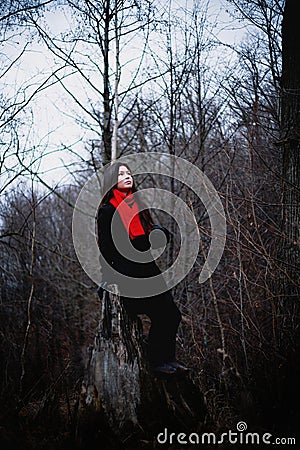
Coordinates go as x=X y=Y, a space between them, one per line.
x=165 y=318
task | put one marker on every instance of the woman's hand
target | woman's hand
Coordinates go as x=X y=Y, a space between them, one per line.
x=101 y=289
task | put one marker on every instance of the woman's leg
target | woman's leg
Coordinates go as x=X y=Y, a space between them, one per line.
x=165 y=318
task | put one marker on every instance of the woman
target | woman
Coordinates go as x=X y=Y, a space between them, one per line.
x=135 y=222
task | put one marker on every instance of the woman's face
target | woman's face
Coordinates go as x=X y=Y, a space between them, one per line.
x=125 y=180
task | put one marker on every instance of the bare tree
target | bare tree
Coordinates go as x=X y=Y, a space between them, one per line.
x=290 y=116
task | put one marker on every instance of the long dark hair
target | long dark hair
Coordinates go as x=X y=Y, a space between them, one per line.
x=110 y=181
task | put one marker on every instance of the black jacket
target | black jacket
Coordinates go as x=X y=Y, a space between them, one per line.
x=111 y=260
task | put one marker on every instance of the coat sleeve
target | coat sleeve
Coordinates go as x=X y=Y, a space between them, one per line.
x=166 y=233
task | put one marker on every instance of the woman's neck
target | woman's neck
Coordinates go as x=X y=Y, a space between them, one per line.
x=124 y=192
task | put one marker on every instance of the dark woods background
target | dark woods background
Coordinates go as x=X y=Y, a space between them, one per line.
x=241 y=127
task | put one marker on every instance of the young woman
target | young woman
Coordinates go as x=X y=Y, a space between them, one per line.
x=133 y=221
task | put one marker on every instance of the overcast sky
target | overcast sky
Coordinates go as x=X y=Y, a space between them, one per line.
x=51 y=113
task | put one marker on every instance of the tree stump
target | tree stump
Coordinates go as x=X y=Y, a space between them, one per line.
x=122 y=404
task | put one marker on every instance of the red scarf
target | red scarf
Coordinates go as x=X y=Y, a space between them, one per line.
x=129 y=212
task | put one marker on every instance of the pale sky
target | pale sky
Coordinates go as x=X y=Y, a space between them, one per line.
x=51 y=113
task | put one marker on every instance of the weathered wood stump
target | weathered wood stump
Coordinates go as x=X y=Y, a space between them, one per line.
x=122 y=404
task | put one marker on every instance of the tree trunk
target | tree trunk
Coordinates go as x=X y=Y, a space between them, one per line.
x=114 y=149
x=106 y=130
x=122 y=404
x=290 y=127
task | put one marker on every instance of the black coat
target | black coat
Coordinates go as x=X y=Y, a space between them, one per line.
x=111 y=260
